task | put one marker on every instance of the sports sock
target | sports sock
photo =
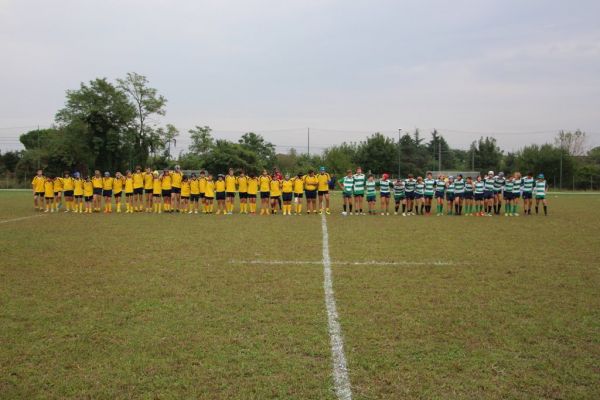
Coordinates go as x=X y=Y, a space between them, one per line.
x=344 y=208
x=545 y=210
x=350 y=206
x=536 y=209
x=403 y=208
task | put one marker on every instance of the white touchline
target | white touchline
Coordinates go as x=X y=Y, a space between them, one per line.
x=369 y=262
x=21 y=218
x=340 y=368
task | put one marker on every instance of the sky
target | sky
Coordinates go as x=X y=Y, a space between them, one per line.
x=517 y=70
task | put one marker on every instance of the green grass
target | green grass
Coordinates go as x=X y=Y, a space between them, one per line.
x=165 y=306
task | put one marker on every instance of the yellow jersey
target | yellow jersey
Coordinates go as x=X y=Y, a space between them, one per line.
x=264 y=182
x=242 y=182
x=138 y=180
x=185 y=189
x=58 y=185
x=130 y=184
x=166 y=182
x=78 y=187
x=230 y=181
x=156 y=186
x=49 y=189
x=209 y=189
x=117 y=185
x=38 y=183
x=97 y=182
x=324 y=179
x=202 y=184
x=176 y=178
x=252 y=185
x=107 y=183
x=67 y=183
x=219 y=186
x=148 y=181
x=298 y=185
x=287 y=186
x=275 y=188
x=88 y=188
x=311 y=182
x=194 y=186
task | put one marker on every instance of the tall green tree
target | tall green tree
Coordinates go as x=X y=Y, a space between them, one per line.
x=377 y=154
x=488 y=155
x=340 y=158
x=202 y=140
x=263 y=149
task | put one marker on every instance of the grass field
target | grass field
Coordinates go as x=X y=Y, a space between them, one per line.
x=232 y=307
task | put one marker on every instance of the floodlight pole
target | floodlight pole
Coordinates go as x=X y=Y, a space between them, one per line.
x=399 y=150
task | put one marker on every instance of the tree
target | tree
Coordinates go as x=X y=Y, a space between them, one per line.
x=438 y=145
x=168 y=136
x=263 y=149
x=573 y=142
x=488 y=155
x=545 y=159
x=377 y=154
x=9 y=161
x=202 y=141
x=147 y=103
x=340 y=158
x=103 y=115
x=225 y=155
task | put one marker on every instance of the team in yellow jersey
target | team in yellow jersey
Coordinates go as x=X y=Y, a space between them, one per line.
x=172 y=191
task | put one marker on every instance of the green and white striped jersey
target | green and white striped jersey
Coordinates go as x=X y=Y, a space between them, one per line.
x=420 y=188
x=371 y=188
x=450 y=188
x=528 y=183
x=409 y=185
x=359 y=183
x=540 y=188
x=499 y=183
x=429 y=186
x=479 y=186
x=440 y=185
x=348 y=184
x=399 y=189
x=489 y=184
x=384 y=185
x=517 y=185
x=508 y=186
x=469 y=187
x=459 y=186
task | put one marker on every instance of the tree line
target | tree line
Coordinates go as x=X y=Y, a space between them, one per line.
x=113 y=126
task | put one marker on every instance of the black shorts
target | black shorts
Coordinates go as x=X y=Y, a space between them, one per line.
x=230 y=195
x=384 y=194
x=515 y=195
x=209 y=198
x=149 y=191
x=347 y=195
x=488 y=195
x=156 y=195
x=275 y=197
x=40 y=194
x=251 y=196
x=469 y=195
x=220 y=195
x=298 y=195
x=359 y=195
x=107 y=193
x=138 y=190
x=89 y=198
x=201 y=195
x=49 y=198
x=243 y=195
x=450 y=196
x=185 y=197
x=322 y=192
x=439 y=195
x=194 y=197
x=57 y=194
x=398 y=200
x=166 y=192
x=418 y=195
x=79 y=196
x=68 y=193
x=128 y=194
x=410 y=195
x=429 y=196
x=98 y=191
x=117 y=194
x=459 y=195
x=175 y=190
x=478 y=196
x=287 y=196
x=265 y=195
x=311 y=194
x=527 y=195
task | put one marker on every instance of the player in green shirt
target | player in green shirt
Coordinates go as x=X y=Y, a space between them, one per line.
x=540 y=193
x=371 y=187
x=385 y=186
x=429 y=190
x=359 y=191
x=508 y=199
x=347 y=186
x=528 y=183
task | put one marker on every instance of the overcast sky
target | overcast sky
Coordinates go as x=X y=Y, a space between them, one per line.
x=517 y=70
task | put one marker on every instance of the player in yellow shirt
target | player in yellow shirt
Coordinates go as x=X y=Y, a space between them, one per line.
x=118 y=183
x=252 y=190
x=194 y=193
x=49 y=194
x=107 y=188
x=156 y=192
x=148 y=189
x=58 y=189
x=78 y=192
x=185 y=194
x=37 y=184
x=311 y=182
x=202 y=179
x=97 y=183
x=209 y=194
x=130 y=195
x=176 y=179
x=287 y=191
x=67 y=182
x=275 y=191
x=138 y=189
x=166 y=184
x=230 y=186
x=242 y=183
x=298 y=193
x=220 y=194
x=323 y=190
x=264 y=185
x=88 y=194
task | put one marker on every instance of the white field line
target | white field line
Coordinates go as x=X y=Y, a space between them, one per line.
x=340 y=368
x=371 y=262
x=21 y=218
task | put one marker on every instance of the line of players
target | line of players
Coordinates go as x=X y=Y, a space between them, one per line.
x=482 y=196
x=171 y=191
